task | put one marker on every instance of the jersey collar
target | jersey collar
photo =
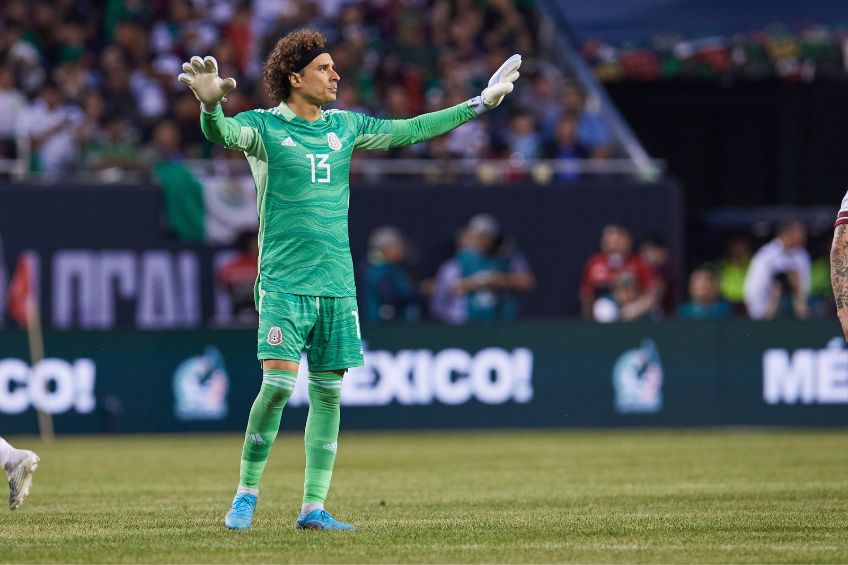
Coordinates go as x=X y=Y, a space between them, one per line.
x=286 y=112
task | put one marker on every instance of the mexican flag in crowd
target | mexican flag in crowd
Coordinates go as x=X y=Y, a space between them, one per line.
x=212 y=209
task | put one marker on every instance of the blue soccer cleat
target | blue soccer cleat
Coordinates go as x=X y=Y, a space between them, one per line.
x=321 y=520
x=241 y=512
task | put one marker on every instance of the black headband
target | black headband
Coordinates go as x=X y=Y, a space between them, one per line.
x=307 y=56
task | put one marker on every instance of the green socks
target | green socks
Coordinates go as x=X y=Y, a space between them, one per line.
x=320 y=439
x=263 y=425
x=322 y=433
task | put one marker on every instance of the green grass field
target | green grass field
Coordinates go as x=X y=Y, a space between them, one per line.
x=458 y=497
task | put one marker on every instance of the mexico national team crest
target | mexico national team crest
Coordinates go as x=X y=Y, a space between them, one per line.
x=275 y=335
x=333 y=141
x=637 y=378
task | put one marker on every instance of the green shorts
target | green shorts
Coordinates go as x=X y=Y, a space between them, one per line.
x=326 y=327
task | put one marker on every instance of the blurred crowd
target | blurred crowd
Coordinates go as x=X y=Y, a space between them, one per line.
x=487 y=273
x=480 y=282
x=91 y=84
x=779 y=279
x=812 y=53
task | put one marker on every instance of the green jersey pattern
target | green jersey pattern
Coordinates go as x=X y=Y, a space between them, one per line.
x=301 y=170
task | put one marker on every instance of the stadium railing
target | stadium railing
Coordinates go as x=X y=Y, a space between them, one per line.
x=558 y=46
x=478 y=171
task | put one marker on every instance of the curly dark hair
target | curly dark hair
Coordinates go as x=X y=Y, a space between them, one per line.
x=283 y=58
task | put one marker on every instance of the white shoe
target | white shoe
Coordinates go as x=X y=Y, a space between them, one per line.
x=20 y=479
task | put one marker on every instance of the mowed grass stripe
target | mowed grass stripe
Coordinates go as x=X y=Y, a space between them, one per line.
x=445 y=497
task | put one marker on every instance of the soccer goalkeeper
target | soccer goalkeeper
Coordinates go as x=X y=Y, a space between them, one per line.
x=300 y=158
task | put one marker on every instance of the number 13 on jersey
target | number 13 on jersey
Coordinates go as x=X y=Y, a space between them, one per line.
x=319 y=161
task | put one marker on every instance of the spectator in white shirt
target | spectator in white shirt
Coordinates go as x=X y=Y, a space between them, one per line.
x=779 y=275
x=51 y=124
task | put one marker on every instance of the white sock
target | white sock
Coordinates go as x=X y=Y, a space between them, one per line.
x=7 y=454
x=243 y=489
x=310 y=507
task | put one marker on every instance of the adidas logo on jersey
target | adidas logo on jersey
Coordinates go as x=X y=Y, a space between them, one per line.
x=288 y=142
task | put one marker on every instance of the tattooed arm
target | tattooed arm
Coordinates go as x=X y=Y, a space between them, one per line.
x=839 y=274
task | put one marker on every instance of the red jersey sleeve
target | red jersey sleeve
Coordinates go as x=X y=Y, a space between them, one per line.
x=587 y=286
x=842 y=216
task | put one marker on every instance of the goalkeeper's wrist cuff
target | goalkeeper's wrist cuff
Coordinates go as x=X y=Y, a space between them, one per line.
x=477 y=105
x=209 y=108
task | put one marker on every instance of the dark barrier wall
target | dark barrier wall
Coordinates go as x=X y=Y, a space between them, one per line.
x=556 y=374
x=105 y=261
x=748 y=144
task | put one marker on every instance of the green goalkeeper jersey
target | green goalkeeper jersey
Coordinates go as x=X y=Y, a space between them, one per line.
x=301 y=172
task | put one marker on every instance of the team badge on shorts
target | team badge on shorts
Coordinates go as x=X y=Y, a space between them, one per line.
x=333 y=141
x=275 y=335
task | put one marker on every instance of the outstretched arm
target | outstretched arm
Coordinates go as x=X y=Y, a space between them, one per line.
x=839 y=274
x=383 y=134
x=201 y=76
x=377 y=134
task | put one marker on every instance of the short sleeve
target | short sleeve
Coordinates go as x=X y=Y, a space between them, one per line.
x=842 y=216
x=586 y=287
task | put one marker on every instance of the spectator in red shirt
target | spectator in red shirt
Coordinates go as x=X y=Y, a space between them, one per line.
x=603 y=268
x=657 y=255
x=238 y=277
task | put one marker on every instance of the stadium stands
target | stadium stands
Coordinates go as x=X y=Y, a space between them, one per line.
x=90 y=84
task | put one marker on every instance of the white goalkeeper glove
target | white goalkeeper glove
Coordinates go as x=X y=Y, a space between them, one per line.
x=499 y=86
x=201 y=76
